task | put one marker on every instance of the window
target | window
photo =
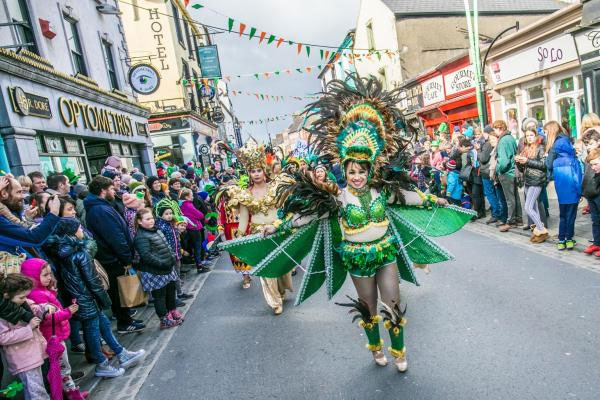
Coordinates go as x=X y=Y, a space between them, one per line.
x=198 y=94
x=370 y=37
x=75 y=47
x=510 y=99
x=177 y=24
x=110 y=65
x=186 y=29
x=567 y=114
x=538 y=112
x=565 y=85
x=19 y=14
x=186 y=75
x=535 y=92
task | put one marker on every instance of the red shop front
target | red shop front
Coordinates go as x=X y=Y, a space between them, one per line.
x=449 y=95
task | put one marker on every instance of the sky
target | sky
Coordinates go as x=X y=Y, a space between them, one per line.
x=311 y=21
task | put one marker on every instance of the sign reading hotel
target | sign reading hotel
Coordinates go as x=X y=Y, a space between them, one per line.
x=433 y=90
x=460 y=81
x=74 y=113
x=551 y=53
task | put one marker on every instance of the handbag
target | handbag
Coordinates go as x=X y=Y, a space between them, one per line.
x=465 y=173
x=131 y=292
x=102 y=274
x=11 y=263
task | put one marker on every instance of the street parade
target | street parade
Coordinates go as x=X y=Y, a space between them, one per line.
x=356 y=199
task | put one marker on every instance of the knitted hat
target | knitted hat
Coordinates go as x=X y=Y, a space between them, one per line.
x=67 y=226
x=138 y=176
x=150 y=181
x=80 y=188
x=164 y=205
x=451 y=165
x=126 y=179
x=176 y=174
x=136 y=187
x=488 y=129
x=469 y=132
x=456 y=128
x=109 y=173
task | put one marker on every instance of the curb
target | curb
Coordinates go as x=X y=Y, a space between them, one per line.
x=580 y=245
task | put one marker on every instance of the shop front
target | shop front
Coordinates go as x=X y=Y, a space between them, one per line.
x=181 y=137
x=536 y=74
x=449 y=96
x=51 y=122
x=587 y=41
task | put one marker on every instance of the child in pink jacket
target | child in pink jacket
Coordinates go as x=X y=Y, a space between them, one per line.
x=42 y=293
x=23 y=345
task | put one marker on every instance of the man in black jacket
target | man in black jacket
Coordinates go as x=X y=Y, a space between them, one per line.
x=489 y=188
x=115 y=247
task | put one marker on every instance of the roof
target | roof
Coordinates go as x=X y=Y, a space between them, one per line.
x=454 y=7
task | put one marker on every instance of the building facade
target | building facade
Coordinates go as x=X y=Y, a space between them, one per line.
x=339 y=66
x=429 y=31
x=66 y=100
x=164 y=35
x=536 y=73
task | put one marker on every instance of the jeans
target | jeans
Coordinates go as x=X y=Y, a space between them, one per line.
x=532 y=194
x=75 y=337
x=95 y=328
x=490 y=193
x=566 y=226
x=164 y=299
x=196 y=238
x=113 y=271
x=513 y=201
x=502 y=203
x=595 y=213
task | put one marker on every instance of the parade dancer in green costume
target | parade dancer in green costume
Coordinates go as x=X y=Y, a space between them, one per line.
x=376 y=229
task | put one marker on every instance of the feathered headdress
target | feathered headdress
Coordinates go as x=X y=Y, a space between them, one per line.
x=251 y=155
x=356 y=122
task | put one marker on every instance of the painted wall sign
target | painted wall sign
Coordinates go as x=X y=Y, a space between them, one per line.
x=208 y=58
x=169 y=124
x=588 y=45
x=551 y=53
x=433 y=90
x=94 y=118
x=28 y=104
x=460 y=81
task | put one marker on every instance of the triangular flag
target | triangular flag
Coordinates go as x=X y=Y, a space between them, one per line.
x=184 y=82
x=276 y=72
x=197 y=6
x=378 y=56
x=262 y=96
x=298 y=69
x=256 y=75
x=288 y=71
x=242 y=28
x=205 y=81
x=299 y=47
x=308 y=69
x=321 y=52
x=389 y=53
x=262 y=37
x=307 y=51
x=290 y=42
x=327 y=55
x=271 y=38
x=318 y=67
x=228 y=79
x=279 y=41
x=267 y=75
x=252 y=32
x=230 y=24
x=233 y=92
x=256 y=94
x=186 y=2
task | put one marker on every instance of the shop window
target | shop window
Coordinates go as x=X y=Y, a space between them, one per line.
x=567 y=115
x=512 y=118
x=40 y=144
x=73 y=146
x=510 y=99
x=177 y=24
x=110 y=65
x=125 y=149
x=19 y=14
x=583 y=108
x=54 y=145
x=579 y=82
x=538 y=112
x=565 y=85
x=535 y=92
x=115 y=149
x=75 y=46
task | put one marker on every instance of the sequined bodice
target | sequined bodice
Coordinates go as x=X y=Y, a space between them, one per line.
x=370 y=212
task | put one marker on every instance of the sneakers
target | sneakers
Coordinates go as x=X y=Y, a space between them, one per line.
x=128 y=358
x=561 y=245
x=591 y=249
x=175 y=315
x=491 y=221
x=132 y=312
x=179 y=303
x=166 y=322
x=570 y=244
x=186 y=296
x=131 y=328
x=202 y=269
x=105 y=370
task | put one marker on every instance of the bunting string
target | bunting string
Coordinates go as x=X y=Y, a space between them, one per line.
x=259 y=96
x=276 y=118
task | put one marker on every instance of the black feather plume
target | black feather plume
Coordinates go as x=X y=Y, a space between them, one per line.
x=393 y=314
x=304 y=198
x=359 y=307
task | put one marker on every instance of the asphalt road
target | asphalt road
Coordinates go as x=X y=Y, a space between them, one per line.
x=503 y=321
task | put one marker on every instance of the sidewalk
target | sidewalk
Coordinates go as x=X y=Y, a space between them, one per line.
x=583 y=223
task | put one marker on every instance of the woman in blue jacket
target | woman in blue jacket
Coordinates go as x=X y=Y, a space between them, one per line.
x=564 y=168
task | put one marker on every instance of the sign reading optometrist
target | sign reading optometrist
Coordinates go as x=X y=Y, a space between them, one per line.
x=208 y=58
x=76 y=113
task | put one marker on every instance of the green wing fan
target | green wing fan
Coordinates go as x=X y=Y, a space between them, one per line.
x=436 y=221
x=252 y=249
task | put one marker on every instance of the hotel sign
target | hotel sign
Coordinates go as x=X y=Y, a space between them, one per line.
x=74 y=113
x=28 y=104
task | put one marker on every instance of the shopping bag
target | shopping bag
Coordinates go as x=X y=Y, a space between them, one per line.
x=131 y=292
x=10 y=263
